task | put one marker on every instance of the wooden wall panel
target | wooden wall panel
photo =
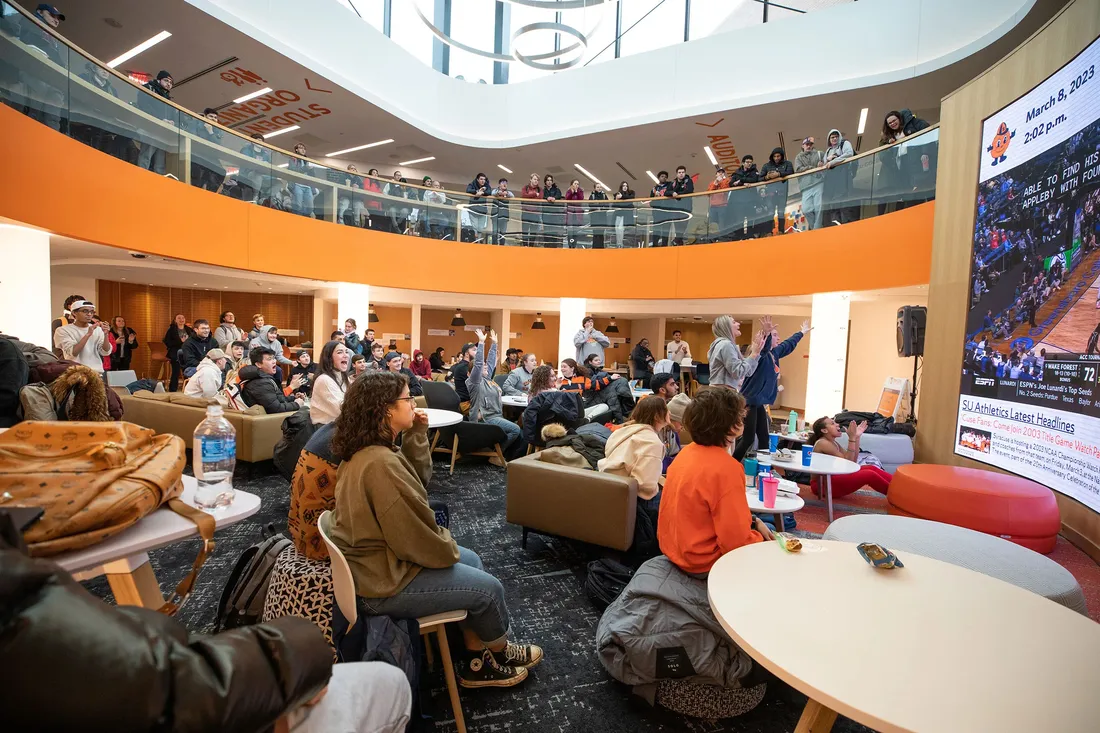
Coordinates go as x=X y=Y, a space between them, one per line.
x=441 y=319
x=962 y=112
x=392 y=319
x=543 y=342
x=150 y=309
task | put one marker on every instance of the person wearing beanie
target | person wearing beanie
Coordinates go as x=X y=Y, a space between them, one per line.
x=677 y=406
x=151 y=157
x=209 y=375
x=394 y=363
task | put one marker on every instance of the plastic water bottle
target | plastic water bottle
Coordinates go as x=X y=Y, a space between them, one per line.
x=792 y=422
x=215 y=457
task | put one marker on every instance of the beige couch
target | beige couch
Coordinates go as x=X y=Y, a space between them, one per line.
x=571 y=502
x=174 y=413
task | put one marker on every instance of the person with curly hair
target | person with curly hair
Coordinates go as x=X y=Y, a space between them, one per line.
x=403 y=563
x=704 y=511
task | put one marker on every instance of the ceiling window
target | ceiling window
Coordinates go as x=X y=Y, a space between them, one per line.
x=372 y=11
x=473 y=24
x=650 y=24
x=410 y=32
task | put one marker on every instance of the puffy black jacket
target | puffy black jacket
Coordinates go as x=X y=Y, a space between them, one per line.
x=745 y=175
x=783 y=167
x=547 y=407
x=85 y=665
x=258 y=388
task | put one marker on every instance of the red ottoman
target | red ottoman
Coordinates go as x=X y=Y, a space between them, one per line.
x=1015 y=509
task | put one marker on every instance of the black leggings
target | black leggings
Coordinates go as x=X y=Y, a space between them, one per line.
x=756 y=426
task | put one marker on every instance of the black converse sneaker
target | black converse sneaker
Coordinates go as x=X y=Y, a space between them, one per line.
x=483 y=670
x=519 y=655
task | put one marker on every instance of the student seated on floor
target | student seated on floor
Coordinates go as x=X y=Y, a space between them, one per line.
x=825 y=433
x=403 y=563
x=636 y=450
x=124 y=668
x=704 y=510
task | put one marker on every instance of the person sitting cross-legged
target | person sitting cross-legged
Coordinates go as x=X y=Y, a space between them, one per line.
x=485 y=403
x=403 y=563
x=260 y=386
x=704 y=510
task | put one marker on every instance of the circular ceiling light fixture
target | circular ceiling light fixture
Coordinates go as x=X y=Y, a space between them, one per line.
x=559 y=59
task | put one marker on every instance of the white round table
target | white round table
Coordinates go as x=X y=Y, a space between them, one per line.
x=785 y=502
x=820 y=464
x=514 y=400
x=442 y=418
x=798 y=438
x=930 y=647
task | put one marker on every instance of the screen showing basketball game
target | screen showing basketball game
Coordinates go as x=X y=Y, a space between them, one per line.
x=1030 y=397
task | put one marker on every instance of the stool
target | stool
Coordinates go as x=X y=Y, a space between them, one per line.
x=158 y=354
x=1009 y=507
x=301 y=587
x=965 y=548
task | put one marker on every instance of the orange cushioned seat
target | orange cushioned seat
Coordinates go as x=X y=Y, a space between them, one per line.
x=1013 y=508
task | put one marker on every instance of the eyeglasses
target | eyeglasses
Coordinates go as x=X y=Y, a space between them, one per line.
x=410 y=399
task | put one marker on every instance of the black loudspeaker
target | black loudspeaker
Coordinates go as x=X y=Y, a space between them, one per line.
x=911 y=323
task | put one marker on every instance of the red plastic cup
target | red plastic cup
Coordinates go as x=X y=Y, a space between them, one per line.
x=771 y=489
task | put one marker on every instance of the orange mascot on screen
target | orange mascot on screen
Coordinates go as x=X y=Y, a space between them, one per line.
x=1001 y=141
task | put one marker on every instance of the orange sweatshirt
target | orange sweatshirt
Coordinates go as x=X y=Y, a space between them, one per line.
x=704 y=513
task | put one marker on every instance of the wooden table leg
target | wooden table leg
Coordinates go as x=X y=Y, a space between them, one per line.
x=778 y=522
x=137 y=587
x=816 y=718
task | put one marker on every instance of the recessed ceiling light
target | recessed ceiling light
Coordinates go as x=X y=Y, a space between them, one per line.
x=123 y=278
x=418 y=160
x=862 y=121
x=253 y=95
x=359 y=147
x=710 y=155
x=138 y=49
x=504 y=168
x=280 y=132
x=583 y=170
x=652 y=177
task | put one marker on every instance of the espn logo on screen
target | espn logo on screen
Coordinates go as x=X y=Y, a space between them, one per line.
x=984 y=386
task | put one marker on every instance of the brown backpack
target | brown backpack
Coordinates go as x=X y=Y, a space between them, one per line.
x=93 y=479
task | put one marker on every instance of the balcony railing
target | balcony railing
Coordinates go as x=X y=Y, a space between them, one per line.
x=45 y=77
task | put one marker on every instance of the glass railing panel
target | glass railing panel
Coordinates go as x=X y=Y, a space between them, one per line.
x=300 y=187
x=846 y=187
x=34 y=70
x=99 y=118
x=249 y=172
x=212 y=165
x=905 y=173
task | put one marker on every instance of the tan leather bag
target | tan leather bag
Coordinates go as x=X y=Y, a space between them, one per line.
x=94 y=479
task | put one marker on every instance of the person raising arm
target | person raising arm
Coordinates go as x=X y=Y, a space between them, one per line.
x=825 y=434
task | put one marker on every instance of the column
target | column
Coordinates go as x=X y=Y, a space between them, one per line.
x=571 y=312
x=415 y=326
x=828 y=355
x=353 y=301
x=25 y=285
x=501 y=321
x=322 y=326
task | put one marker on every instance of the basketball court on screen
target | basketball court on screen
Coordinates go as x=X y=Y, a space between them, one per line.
x=1071 y=333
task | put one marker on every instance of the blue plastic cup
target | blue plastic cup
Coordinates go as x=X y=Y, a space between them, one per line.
x=807 y=452
x=751 y=467
x=773 y=443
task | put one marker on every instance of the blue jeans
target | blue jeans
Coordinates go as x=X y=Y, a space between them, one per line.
x=511 y=430
x=465 y=586
x=303 y=199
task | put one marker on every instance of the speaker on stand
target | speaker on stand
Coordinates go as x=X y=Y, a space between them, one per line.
x=912 y=320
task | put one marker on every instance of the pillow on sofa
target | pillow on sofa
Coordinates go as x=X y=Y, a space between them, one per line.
x=178 y=398
x=145 y=394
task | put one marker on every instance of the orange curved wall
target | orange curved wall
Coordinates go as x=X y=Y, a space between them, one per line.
x=53 y=182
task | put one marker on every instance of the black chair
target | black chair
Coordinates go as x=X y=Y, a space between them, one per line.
x=501 y=379
x=464 y=438
x=702 y=374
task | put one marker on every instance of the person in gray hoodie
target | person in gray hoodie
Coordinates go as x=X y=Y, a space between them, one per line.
x=519 y=379
x=485 y=404
x=227 y=331
x=589 y=341
x=810 y=185
x=838 y=207
x=727 y=366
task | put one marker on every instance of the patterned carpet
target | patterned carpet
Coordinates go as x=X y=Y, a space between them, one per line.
x=569 y=690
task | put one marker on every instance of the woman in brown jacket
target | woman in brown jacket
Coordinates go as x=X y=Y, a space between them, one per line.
x=403 y=563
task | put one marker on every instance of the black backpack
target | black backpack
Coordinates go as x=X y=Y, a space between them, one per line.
x=297 y=430
x=242 y=601
x=606 y=579
x=14 y=375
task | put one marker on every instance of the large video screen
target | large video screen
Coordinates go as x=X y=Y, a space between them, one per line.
x=1030 y=397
